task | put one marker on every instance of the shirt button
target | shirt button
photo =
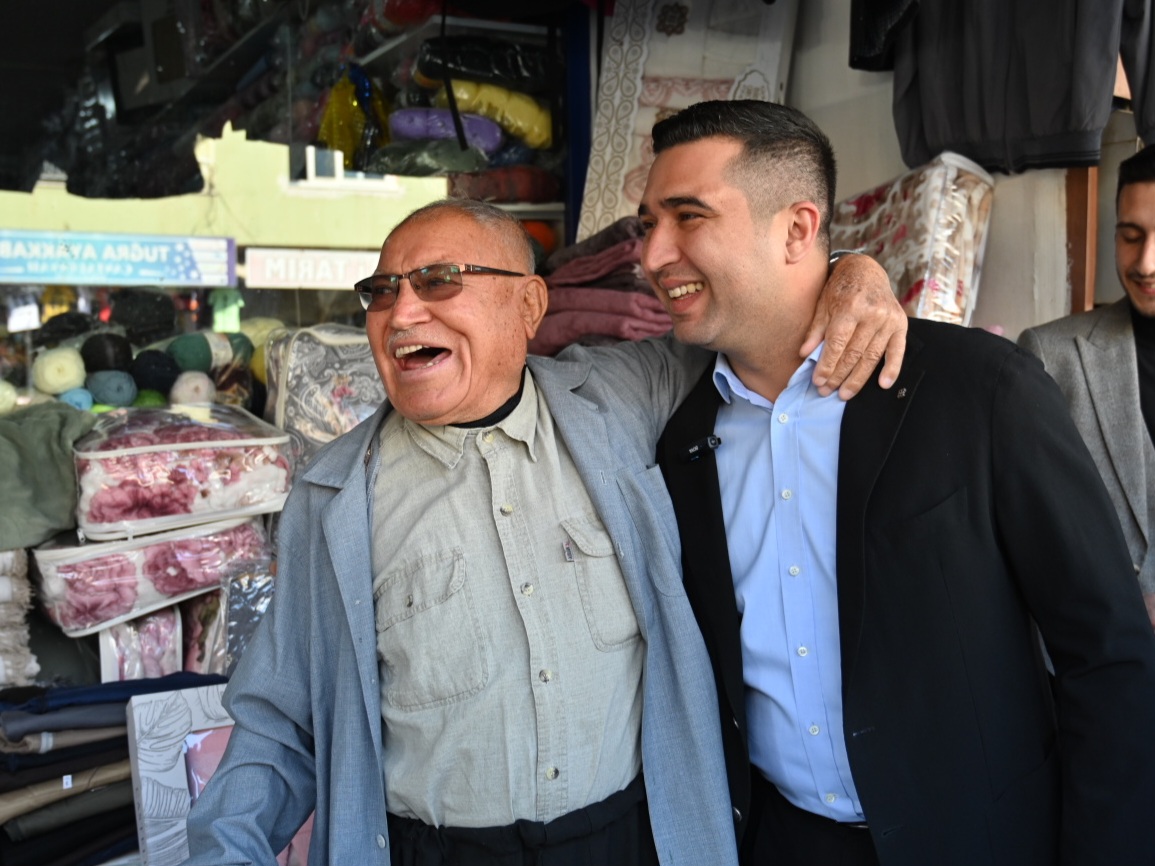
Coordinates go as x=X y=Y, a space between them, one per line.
x=545 y=675
x=552 y=773
x=487 y=436
x=506 y=509
x=527 y=589
x=813 y=729
x=783 y=418
x=830 y=798
x=786 y=494
x=380 y=841
x=802 y=651
x=795 y=571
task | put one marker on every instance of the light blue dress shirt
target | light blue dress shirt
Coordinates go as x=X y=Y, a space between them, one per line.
x=778 y=474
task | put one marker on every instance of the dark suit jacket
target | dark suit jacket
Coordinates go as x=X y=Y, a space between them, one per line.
x=968 y=507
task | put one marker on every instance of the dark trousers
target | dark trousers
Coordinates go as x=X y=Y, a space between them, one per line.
x=614 y=832
x=783 y=835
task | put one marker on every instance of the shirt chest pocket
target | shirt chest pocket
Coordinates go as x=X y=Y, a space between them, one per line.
x=605 y=600
x=428 y=637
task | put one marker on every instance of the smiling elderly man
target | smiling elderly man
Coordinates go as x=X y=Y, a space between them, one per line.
x=480 y=635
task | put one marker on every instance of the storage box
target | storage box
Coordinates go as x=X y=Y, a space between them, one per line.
x=928 y=228
x=146 y=470
x=86 y=587
x=322 y=382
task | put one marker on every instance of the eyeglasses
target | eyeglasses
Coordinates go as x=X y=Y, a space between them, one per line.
x=437 y=282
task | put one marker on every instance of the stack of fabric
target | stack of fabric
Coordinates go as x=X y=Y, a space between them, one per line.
x=66 y=795
x=17 y=663
x=598 y=293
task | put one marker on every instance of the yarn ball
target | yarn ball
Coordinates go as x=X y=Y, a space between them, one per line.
x=154 y=370
x=145 y=314
x=114 y=387
x=258 y=329
x=193 y=387
x=7 y=397
x=78 y=398
x=58 y=370
x=99 y=408
x=191 y=352
x=63 y=326
x=148 y=397
x=106 y=352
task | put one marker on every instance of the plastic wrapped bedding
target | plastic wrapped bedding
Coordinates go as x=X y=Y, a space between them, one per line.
x=928 y=228
x=146 y=470
x=90 y=586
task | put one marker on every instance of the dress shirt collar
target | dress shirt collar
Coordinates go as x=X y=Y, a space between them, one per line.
x=446 y=444
x=730 y=386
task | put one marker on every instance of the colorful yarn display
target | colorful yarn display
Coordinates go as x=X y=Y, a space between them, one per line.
x=154 y=370
x=149 y=398
x=112 y=387
x=193 y=386
x=7 y=397
x=58 y=370
x=78 y=398
x=106 y=352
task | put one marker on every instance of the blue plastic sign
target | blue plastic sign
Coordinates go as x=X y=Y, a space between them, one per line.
x=93 y=259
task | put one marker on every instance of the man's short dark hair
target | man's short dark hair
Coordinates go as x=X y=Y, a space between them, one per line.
x=786 y=157
x=1139 y=168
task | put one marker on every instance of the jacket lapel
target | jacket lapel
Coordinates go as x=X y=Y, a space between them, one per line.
x=693 y=485
x=1107 y=354
x=870 y=424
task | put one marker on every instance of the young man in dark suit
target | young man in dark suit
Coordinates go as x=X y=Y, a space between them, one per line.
x=868 y=575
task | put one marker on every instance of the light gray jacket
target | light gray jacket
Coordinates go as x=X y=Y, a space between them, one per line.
x=306 y=697
x=1092 y=357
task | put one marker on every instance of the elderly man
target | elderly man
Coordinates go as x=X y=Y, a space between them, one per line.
x=480 y=635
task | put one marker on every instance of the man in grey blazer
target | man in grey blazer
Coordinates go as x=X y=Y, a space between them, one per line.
x=1104 y=362
x=480 y=635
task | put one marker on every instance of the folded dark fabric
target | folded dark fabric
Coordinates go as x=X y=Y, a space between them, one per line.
x=124 y=842
x=98 y=801
x=558 y=330
x=615 y=233
x=17 y=762
x=24 y=800
x=52 y=741
x=83 y=839
x=17 y=724
x=101 y=693
x=34 y=775
x=588 y=270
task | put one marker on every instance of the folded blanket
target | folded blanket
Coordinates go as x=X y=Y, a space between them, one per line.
x=558 y=330
x=586 y=270
x=14 y=564
x=600 y=300
x=622 y=230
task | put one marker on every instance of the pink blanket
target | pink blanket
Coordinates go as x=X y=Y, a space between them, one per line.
x=586 y=270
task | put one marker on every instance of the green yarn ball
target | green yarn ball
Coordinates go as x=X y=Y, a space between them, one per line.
x=149 y=397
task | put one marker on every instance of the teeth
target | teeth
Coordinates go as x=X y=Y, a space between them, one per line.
x=409 y=350
x=687 y=289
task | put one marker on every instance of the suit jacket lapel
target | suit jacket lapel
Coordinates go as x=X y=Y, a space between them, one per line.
x=693 y=486
x=870 y=424
x=1108 y=357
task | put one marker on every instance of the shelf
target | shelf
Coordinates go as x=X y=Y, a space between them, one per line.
x=390 y=53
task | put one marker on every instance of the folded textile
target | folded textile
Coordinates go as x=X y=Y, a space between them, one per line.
x=587 y=270
x=616 y=232
x=17 y=724
x=24 y=800
x=14 y=563
x=558 y=330
x=98 y=801
x=39 y=472
x=91 y=840
x=37 y=700
x=598 y=300
x=48 y=741
x=26 y=776
x=15 y=762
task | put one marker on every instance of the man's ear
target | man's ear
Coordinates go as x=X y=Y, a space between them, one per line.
x=802 y=231
x=534 y=302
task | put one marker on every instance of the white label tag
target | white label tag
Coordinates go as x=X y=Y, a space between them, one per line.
x=67 y=782
x=23 y=316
